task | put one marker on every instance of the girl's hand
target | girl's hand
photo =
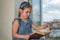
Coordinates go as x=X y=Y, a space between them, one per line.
x=26 y=37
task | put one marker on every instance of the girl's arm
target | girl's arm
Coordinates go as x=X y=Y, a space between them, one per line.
x=14 y=31
x=39 y=27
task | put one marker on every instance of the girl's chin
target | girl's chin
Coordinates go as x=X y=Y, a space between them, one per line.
x=26 y=17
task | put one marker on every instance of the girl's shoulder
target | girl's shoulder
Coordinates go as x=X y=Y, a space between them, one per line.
x=18 y=19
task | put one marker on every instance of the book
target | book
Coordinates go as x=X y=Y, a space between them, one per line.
x=36 y=36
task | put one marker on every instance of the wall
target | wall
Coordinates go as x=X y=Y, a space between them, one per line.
x=6 y=18
x=0 y=20
x=7 y=14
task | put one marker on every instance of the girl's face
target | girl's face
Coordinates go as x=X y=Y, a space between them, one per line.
x=25 y=13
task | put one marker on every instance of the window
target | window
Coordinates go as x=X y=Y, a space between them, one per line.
x=50 y=11
x=36 y=12
x=45 y=11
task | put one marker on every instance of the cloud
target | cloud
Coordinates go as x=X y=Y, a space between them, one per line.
x=50 y=15
x=51 y=10
x=45 y=2
x=55 y=2
x=51 y=4
x=47 y=17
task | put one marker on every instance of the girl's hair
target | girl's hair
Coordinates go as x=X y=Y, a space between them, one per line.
x=24 y=5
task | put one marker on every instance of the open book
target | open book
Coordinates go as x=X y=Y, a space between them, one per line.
x=39 y=33
x=36 y=36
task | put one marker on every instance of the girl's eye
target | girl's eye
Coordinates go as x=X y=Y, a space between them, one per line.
x=28 y=12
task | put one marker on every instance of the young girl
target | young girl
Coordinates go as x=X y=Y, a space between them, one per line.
x=22 y=26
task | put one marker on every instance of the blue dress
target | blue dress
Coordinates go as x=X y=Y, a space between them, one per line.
x=24 y=28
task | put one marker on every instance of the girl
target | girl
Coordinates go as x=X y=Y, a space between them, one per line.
x=22 y=26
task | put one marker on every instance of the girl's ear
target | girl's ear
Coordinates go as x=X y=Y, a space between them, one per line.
x=20 y=10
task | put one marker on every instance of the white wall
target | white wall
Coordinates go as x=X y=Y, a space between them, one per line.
x=0 y=21
x=0 y=14
x=6 y=18
x=7 y=14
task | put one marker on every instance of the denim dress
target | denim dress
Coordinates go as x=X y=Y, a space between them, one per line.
x=24 y=28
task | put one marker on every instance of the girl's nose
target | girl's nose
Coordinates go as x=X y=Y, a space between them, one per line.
x=28 y=14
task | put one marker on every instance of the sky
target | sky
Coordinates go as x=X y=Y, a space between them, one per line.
x=50 y=10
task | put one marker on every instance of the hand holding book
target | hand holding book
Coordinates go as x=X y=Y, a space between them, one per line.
x=39 y=33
